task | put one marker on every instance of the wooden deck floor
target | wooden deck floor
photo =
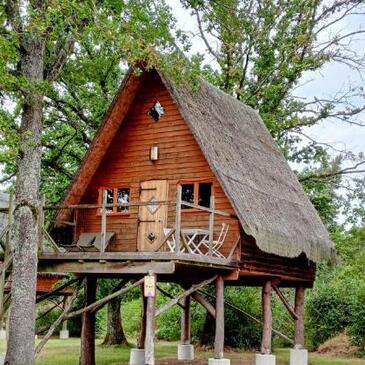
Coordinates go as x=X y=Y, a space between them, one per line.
x=169 y=265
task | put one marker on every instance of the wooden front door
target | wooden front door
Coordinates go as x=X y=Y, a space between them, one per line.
x=152 y=218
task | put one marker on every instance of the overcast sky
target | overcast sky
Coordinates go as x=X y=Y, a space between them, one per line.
x=328 y=81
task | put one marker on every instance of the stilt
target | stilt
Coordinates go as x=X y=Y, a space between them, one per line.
x=137 y=355
x=265 y=357
x=219 y=325
x=150 y=329
x=88 y=324
x=299 y=355
x=185 y=350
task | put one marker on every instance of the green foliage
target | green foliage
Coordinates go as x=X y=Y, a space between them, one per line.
x=336 y=303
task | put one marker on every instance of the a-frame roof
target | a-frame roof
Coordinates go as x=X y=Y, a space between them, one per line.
x=265 y=193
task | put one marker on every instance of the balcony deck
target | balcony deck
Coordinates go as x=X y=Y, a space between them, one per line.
x=168 y=265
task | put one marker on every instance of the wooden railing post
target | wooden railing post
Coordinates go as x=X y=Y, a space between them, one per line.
x=211 y=225
x=103 y=222
x=10 y=225
x=41 y=224
x=178 y=219
x=266 y=319
x=299 y=323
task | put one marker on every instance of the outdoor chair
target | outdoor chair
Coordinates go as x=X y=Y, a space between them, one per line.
x=216 y=244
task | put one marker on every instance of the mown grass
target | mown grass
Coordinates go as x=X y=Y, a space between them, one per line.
x=66 y=352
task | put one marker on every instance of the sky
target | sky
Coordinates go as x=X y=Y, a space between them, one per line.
x=328 y=81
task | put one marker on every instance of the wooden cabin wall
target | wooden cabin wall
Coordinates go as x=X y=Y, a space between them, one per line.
x=255 y=260
x=127 y=164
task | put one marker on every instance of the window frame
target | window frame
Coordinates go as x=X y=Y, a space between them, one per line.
x=113 y=212
x=196 y=192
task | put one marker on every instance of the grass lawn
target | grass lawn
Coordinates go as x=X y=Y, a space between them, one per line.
x=66 y=352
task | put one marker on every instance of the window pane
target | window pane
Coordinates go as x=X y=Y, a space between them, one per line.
x=123 y=198
x=205 y=191
x=187 y=194
x=109 y=197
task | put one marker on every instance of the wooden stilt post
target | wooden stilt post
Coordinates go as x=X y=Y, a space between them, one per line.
x=142 y=333
x=299 y=323
x=150 y=327
x=266 y=319
x=186 y=322
x=219 y=318
x=88 y=324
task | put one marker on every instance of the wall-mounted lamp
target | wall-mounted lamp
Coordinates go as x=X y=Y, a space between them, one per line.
x=154 y=153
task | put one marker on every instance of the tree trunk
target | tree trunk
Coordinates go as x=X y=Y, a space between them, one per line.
x=114 y=334
x=207 y=336
x=20 y=350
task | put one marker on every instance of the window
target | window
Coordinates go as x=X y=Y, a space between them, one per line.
x=119 y=197
x=197 y=193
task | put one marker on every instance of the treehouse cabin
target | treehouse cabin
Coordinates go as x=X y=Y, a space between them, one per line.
x=188 y=185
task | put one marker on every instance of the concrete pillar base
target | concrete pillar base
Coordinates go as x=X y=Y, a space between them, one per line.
x=219 y=361
x=136 y=357
x=185 y=352
x=64 y=335
x=298 y=357
x=265 y=359
x=2 y=335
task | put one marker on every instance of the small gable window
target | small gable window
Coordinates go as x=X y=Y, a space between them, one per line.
x=119 y=197
x=157 y=111
x=197 y=193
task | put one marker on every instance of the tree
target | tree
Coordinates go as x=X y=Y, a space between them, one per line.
x=263 y=49
x=114 y=333
x=37 y=40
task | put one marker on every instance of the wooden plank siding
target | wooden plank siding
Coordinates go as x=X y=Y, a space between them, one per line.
x=127 y=164
x=255 y=260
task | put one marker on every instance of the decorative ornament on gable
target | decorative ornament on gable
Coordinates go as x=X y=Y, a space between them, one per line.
x=157 y=111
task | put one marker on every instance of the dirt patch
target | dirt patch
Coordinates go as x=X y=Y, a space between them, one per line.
x=339 y=345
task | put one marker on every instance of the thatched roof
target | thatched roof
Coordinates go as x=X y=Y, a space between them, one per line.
x=265 y=193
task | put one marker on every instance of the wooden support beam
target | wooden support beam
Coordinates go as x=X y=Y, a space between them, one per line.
x=88 y=324
x=67 y=307
x=150 y=330
x=211 y=225
x=168 y=295
x=186 y=322
x=266 y=319
x=142 y=330
x=219 y=318
x=204 y=302
x=178 y=219
x=174 y=301
x=93 y=307
x=285 y=302
x=299 y=323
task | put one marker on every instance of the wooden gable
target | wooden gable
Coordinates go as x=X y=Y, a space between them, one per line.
x=126 y=163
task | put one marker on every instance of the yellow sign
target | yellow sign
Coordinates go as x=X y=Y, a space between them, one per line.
x=149 y=286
